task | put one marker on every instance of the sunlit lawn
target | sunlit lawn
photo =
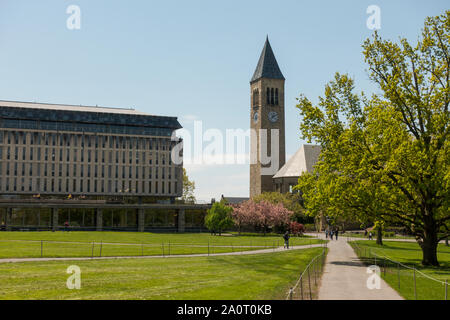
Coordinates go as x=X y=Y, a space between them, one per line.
x=402 y=278
x=259 y=276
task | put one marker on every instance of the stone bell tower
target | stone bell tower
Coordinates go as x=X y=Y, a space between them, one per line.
x=266 y=119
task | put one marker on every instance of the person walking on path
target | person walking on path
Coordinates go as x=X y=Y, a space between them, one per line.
x=331 y=234
x=336 y=233
x=370 y=235
x=286 y=240
x=326 y=234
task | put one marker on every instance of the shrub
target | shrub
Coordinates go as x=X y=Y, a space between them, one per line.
x=296 y=228
x=219 y=218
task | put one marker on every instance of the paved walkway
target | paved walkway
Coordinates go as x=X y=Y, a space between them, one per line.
x=345 y=277
x=279 y=249
x=349 y=238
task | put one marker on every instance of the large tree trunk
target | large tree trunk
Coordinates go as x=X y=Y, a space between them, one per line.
x=446 y=241
x=429 y=242
x=429 y=249
x=380 y=235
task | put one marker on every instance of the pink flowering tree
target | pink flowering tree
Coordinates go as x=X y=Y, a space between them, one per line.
x=243 y=214
x=280 y=216
x=262 y=215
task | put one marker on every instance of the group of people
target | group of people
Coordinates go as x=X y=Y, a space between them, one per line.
x=332 y=233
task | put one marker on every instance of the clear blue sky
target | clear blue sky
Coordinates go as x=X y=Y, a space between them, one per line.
x=191 y=59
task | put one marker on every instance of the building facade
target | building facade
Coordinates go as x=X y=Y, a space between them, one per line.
x=49 y=150
x=266 y=114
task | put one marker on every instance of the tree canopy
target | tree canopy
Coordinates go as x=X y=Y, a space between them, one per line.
x=219 y=217
x=385 y=158
x=188 y=189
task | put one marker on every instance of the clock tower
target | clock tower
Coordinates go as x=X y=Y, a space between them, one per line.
x=267 y=142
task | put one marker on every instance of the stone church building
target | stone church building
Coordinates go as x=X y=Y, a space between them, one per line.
x=267 y=112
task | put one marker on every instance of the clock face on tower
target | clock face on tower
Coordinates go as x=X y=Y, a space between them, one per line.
x=255 y=117
x=273 y=116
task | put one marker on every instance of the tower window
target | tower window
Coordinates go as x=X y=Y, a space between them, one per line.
x=276 y=96
x=255 y=97
x=272 y=96
x=268 y=95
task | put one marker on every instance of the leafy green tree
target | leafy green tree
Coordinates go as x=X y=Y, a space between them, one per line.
x=219 y=218
x=385 y=159
x=188 y=189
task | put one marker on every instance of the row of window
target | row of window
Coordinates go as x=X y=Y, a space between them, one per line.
x=110 y=217
x=36 y=169
x=83 y=141
x=85 y=127
x=125 y=187
x=69 y=118
x=271 y=96
x=75 y=155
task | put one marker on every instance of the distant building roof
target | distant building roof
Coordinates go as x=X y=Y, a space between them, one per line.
x=234 y=200
x=69 y=107
x=267 y=65
x=46 y=116
x=302 y=161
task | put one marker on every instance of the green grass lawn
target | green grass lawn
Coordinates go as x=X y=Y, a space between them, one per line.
x=260 y=276
x=374 y=235
x=402 y=278
x=86 y=244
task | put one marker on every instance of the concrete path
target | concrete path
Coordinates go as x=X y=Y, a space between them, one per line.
x=279 y=249
x=349 y=238
x=345 y=277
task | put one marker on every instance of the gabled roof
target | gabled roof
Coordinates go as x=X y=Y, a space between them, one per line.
x=302 y=161
x=234 y=200
x=267 y=65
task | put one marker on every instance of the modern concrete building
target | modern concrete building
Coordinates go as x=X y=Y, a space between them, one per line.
x=95 y=168
x=49 y=150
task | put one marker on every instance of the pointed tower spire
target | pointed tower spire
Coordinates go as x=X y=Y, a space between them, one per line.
x=267 y=65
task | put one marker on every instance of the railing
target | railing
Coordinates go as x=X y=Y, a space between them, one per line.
x=16 y=248
x=69 y=249
x=404 y=276
x=307 y=284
